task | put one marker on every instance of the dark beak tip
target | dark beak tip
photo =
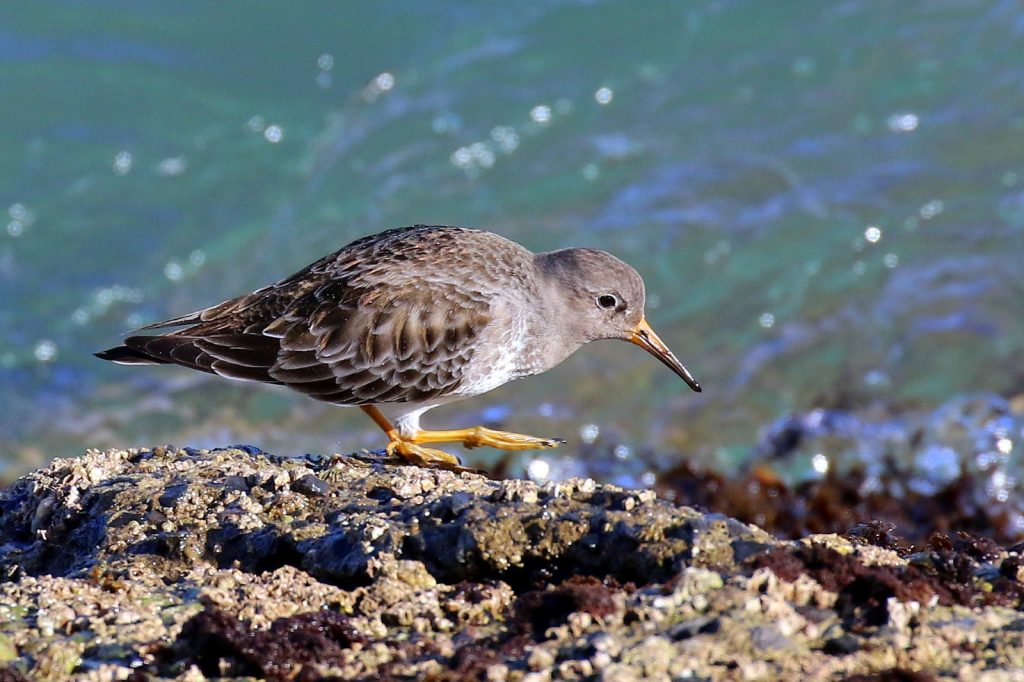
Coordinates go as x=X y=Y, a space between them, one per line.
x=649 y=341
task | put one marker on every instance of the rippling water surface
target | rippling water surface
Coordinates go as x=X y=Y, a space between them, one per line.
x=826 y=201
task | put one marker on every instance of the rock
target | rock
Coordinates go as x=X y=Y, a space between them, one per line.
x=310 y=486
x=7 y=651
x=694 y=626
x=842 y=645
x=193 y=563
x=767 y=638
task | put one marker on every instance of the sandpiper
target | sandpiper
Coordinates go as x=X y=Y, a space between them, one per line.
x=402 y=321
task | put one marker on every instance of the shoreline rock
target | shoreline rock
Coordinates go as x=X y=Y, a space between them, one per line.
x=189 y=564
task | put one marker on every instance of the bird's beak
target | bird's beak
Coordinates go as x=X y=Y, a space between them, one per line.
x=645 y=337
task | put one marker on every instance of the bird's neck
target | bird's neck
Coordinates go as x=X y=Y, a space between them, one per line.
x=553 y=322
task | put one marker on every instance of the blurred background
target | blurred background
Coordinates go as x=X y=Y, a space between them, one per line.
x=826 y=201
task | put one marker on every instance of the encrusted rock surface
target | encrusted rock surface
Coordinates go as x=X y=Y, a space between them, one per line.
x=184 y=564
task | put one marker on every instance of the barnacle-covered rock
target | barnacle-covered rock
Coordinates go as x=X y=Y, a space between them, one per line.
x=194 y=563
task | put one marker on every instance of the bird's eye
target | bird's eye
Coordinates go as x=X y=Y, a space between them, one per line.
x=607 y=301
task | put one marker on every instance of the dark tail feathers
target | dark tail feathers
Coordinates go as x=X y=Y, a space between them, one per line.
x=123 y=355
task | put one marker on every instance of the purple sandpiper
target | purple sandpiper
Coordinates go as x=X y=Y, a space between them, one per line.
x=411 y=318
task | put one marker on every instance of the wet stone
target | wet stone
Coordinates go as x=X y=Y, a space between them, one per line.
x=186 y=564
x=694 y=626
x=172 y=494
x=310 y=486
x=235 y=483
x=767 y=638
x=842 y=645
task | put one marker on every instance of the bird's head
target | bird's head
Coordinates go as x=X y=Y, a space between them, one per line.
x=601 y=297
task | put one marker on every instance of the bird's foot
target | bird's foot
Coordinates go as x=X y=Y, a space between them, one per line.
x=478 y=436
x=425 y=457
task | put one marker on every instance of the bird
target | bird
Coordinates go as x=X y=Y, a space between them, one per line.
x=402 y=321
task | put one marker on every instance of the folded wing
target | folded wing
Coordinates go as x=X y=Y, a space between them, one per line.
x=351 y=345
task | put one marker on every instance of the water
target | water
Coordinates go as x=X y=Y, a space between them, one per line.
x=826 y=201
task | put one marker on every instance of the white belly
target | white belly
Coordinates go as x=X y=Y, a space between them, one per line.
x=503 y=362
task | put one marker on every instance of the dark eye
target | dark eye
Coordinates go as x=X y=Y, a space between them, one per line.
x=607 y=301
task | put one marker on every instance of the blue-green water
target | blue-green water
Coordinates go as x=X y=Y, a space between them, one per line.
x=826 y=200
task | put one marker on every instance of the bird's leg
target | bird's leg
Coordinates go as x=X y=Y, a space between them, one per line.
x=476 y=436
x=408 y=449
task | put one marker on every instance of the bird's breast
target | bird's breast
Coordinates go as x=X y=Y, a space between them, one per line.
x=503 y=352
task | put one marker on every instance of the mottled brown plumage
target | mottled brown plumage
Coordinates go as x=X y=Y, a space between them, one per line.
x=408 y=319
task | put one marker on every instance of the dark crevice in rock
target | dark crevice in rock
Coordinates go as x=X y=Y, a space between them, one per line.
x=893 y=675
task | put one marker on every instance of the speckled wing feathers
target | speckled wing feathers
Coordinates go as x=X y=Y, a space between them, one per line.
x=386 y=319
x=405 y=348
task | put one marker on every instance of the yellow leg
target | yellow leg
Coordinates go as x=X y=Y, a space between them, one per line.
x=477 y=436
x=411 y=450
x=421 y=456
